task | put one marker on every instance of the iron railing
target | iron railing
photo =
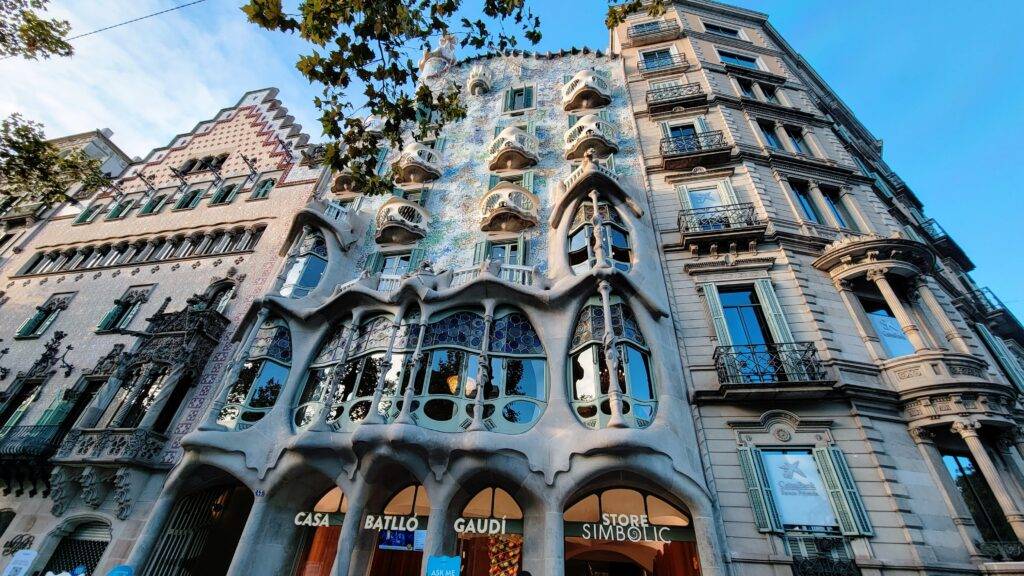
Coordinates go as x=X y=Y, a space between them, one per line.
x=31 y=441
x=674 y=93
x=697 y=142
x=650 y=65
x=934 y=230
x=1003 y=551
x=719 y=218
x=824 y=566
x=768 y=363
x=653 y=29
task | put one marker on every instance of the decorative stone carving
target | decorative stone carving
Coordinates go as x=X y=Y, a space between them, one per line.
x=94 y=486
x=122 y=492
x=63 y=487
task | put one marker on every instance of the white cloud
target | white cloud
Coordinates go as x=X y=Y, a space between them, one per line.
x=153 y=79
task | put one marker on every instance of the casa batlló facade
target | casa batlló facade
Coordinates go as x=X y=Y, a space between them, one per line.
x=663 y=311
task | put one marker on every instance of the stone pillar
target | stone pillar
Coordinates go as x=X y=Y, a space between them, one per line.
x=860 y=318
x=794 y=202
x=250 y=553
x=850 y=202
x=958 y=511
x=151 y=532
x=611 y=358
x=758 y=92
x=969 y=432
x=956 y=340
x=818 y=197
x=350 y=529
x=812 y=142
x=898 y=310
x=240 y=356
x=780 y=133
x=552 y=550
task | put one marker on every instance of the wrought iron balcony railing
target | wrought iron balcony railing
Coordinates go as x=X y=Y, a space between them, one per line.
x=934 y=230
x=664 y=64
x=769 y=363
x=824 y=566
x=31 y=442
x=661 y=97
x=652 y=31
x=728 y=217
x=697 y=142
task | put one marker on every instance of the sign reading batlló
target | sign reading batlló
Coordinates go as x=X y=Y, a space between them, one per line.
x=388 y=522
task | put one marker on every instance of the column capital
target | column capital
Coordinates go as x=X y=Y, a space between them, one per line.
x=922 y=435
x=780 y=176
x=876 y=274
x=842 y=284
x=966 y=428
x=813 y=184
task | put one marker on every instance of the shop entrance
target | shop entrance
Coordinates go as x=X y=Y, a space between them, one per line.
x=321 y=529
x=626 y=532
x=201 y=535
x=490 y=532
x=401 y=532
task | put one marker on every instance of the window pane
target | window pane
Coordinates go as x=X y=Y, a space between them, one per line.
x=268 y=385
x=584 y=374
x=519 y=376
x=799 y=492
x=638 y=375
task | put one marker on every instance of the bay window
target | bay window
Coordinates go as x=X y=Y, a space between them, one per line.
x=612 y=233
x=307 y=267
x=262 y=377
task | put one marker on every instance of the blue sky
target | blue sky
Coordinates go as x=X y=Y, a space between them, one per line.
x=940 y=82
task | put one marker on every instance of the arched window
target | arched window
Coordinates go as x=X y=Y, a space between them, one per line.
x=583 y=247
x=589 y=380
x=356 y=378
x=308 y=266
x=319 y=545
x=83 y=546
x=626 y=531
x=453 y=346
x=262 y=377
x=262 y=190
x=490 y=532
x=399 y=550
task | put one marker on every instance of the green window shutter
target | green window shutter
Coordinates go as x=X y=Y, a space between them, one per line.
x=397 y=192
x=842 y=492
x=480 y=251
x=605 y=115
x=702 y=124
x=440 y=143
x=766 y=515
x=528 y=97
x=717 y=313
x=425 y=196
x=1003 y=355
x=497 y=130
x=522 y=245
x=374 y=261
x=107 y=322
x=773 y=311
x=540 y=184
x=528 y=180
x=19 y=412
x=566 y=78
x=130 y=315
x=493 y=181
x=415 y=257
x=56 y=412
x=29 y=326
x=509 y=96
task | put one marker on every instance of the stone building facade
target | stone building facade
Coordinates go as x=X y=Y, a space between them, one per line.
x=658 y=311
x=855 y=393
x=116 y=315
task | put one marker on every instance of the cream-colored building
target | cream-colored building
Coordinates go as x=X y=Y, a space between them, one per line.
x=661 y=311
x=116 y=317
x=855 y=394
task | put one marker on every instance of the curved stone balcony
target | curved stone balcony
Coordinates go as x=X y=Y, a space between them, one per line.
x=401 y=221
x=480 y=79
x=513 y=148
x=343 y=182
x=508 y=207
x=590 y=132
x=417 y=164
x=585 y=89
